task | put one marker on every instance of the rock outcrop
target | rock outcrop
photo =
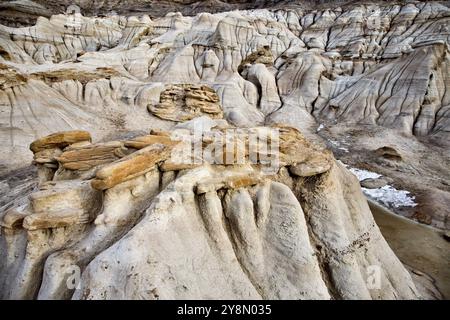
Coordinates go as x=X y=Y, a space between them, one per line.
x=25 y=12
x=184 y=102
x=178 y=168
x=218 y=230
x=367 y=64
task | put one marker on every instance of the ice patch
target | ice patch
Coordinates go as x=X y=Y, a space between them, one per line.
x=387 y=195
x=364 y=174
x=391 y=197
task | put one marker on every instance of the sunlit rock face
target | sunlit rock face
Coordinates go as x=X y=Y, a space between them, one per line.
x=105 y=107
x=166 y=229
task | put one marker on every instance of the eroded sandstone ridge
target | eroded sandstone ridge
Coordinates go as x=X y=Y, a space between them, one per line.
x=109 y=106
x=363 y=77
x=368 y=64
x=131 y=215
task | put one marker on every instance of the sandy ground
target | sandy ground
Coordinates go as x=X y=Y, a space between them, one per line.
x=420 y=247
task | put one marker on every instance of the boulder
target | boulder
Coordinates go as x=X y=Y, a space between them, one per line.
x=144 y=141
x=388 y=153
x=375 y=183
x=59 y=140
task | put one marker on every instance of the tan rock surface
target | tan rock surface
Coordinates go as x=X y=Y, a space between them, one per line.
x=131 y=166
x=59 y=140
x=86 y=157
x=184 y=102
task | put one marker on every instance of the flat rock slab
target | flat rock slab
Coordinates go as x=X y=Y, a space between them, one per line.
x=59 y=140
x=131 y=166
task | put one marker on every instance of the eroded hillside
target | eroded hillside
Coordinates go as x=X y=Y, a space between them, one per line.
x=367 y=81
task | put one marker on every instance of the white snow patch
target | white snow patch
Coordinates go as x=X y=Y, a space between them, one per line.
x=362 y=174
x=321 y=126
x=387 y=195
x=391 y=197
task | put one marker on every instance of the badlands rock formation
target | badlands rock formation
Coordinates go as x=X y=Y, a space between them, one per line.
x=108 y=104
x=225 y=230
x=185 y=102
x=368 y=64
x=25 y=12
x=345 y=70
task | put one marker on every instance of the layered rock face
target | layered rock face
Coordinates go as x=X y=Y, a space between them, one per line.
x=142 y=130
x=25 y=12
x=355 y=68
x=385 y=66
x=185 y=102
x=164 y=228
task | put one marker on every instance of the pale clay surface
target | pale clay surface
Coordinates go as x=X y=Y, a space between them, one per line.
x=111 y=200
x=163 y=231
